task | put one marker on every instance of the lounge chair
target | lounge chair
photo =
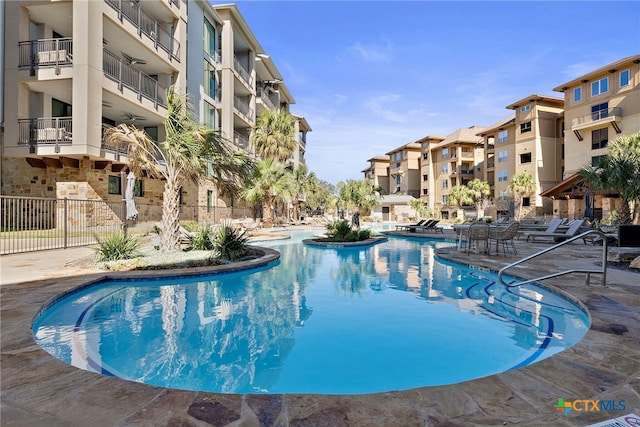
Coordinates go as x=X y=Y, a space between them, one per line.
x=574 y=228
x=406 y=227
x=552 y=227
x=429 y=226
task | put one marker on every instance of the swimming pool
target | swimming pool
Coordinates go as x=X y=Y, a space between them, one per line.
x=334 y=321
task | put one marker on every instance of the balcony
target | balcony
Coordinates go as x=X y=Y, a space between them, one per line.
x=243 y=108
x=467 y=155
x=240 y=70
x=148 y=26
x=264 y=98
x=490 y=148
x=598 y=118
x=47 y=131
x=466 y=171
x=241 y=141
x=134 y=79
x=45 y=53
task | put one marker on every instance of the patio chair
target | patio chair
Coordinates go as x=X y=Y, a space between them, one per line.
x=407 y=226
x=574 y=228
x=552 y=227
x=478 y=232
x=504 y=236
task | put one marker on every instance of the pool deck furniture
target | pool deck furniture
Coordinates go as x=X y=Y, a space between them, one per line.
x=428 y=227
x=407 y=226
x=38 y=389
x=574 y=227
x=504 y=236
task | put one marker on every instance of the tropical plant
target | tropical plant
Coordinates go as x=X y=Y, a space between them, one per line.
x=271 y=182
x=116 y=246
x=229 y=243
x=460 y=195
x=273 y=134
x=185 y=155
x=481 y=191
x=421 y=208
x=201 y=239
x=341 y=231
x=319 y=195
x=302 y=185
x=359 y=194
x=522 y=185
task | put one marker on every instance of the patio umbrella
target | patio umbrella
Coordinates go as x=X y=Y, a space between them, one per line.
x=132 y=212
x=512 y=209
x=588 y=205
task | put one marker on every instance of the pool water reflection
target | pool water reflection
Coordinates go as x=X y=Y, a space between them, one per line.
x=335 y=321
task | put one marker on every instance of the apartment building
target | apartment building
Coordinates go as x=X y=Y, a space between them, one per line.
x=598 y=107
x=528 y=141
x=378 y=172
x=404 y=170
x=74 y=68
x=455 y=160
x=427 y=186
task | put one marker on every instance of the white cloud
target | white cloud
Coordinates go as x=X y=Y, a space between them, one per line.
x=373 y=53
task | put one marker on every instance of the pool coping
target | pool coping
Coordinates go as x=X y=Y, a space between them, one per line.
x=37 y=388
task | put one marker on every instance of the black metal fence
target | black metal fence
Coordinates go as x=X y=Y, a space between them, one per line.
x=30 y=224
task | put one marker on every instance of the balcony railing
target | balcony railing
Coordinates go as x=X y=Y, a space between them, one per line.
x=126 y=75
x=467 y=155
x=264 y=97
x=466 y=171
x=598 y=116
x=241 y=141
x=54 y=131
x=243 y=108
x=237 y=66
x=45 y=53
x=148 y=26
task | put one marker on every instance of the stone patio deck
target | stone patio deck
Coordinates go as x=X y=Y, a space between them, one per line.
x=38 y=389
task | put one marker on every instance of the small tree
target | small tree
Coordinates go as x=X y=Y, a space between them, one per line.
x=270 y=182
x=522 y=186
x=481 y=191
x=273 y=134
x=421 y=208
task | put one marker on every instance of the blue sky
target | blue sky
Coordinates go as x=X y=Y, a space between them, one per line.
x=370 y=76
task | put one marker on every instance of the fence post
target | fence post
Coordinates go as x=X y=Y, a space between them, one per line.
x=65 y=218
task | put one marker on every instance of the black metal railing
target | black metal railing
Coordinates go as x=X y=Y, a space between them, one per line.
x=45 y=131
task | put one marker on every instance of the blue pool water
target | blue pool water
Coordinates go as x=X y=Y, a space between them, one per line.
x=334 y=321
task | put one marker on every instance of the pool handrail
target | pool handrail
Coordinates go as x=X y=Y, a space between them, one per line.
x=603 y=270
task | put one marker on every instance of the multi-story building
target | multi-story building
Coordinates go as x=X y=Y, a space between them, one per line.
x=528 y=141
x=74 y=68
x=598 y=107
x=455 y=160
x=404 y=170
x=378 y=172
x=426 y=167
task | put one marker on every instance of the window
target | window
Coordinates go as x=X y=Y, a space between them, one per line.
x=425 y=177
x=445 y=153
x=599 y=138
x=152 y=132
x=398 y=179
x=525 y=108
x=209 y=38
x=525 y=127
x=503 y=156
x=425 y=156
x=137 y=188
x=398 y=164
x=600 y=86
x=397 y=189
x=502 y=176
x=503 y=195
x=577 y=94
x=595 y=160
x=503 y=136
x=624 y=78
x=60 y=109
x=445 y=168
x=445 y=184
x=425 y=191
x=525 y=158
x=600 y=111
x=526 y=201
x=115 y=185
x=445 y=199
x=210 y=80
x=210 y=116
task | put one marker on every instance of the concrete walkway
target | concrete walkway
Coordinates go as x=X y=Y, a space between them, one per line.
x=37 y=389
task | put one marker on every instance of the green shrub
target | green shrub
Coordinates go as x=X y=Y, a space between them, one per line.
x=117 y=246
x=338 y=230
x=229 y=242
x=191 y=226
x=201 y=240
x=365 y=234
x=488 y=219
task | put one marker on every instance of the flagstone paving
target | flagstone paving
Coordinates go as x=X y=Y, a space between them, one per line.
x=37 y=389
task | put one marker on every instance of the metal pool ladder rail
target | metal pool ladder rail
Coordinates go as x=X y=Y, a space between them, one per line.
x=602 y=271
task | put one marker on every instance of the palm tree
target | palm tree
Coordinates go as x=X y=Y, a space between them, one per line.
x=302 y=185
x=616 y=174
x=421 y=208
x=270 y=182
x=360 y=194
x=481 y=190
x=273 y=134
x=460 y=195
x=522 y=186
x=185 y=155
